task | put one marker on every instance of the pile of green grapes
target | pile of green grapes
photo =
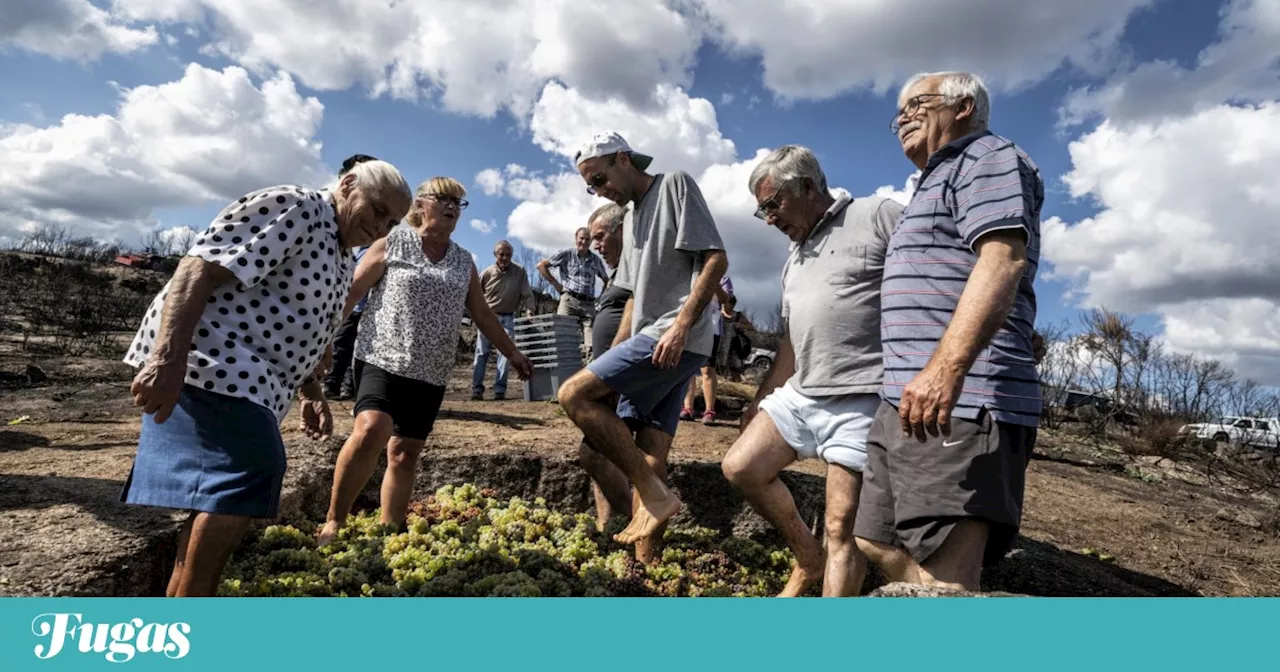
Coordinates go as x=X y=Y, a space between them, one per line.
x=462 y=542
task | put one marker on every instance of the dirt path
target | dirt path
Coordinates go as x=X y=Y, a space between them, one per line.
x=1203 y=539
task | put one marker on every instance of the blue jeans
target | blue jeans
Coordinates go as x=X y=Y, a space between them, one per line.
x=483 y=347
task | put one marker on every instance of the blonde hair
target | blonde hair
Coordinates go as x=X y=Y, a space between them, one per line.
x=444 y=186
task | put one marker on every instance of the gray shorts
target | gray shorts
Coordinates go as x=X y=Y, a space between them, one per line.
x=914 y=493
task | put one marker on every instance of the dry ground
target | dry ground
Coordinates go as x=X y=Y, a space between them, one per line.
x=80 y=431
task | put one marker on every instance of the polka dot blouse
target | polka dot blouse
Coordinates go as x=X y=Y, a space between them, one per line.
x=260 y=337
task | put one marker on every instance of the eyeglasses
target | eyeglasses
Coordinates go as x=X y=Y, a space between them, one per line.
x=909 y=110
x=770 y=206
x=445 y=199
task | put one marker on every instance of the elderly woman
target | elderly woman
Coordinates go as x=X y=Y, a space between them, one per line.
x=224 y=346
x=421 y=283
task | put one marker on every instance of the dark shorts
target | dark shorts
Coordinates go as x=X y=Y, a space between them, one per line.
x=914 y=493
x=412 y=404
x=214 y=453
x=715 y=352
x=649 y=396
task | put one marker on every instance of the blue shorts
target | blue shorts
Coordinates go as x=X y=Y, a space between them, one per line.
x=650 y=397
x=215 y=454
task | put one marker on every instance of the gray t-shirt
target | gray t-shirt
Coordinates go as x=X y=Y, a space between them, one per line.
x=664 y=240
x=831 y=298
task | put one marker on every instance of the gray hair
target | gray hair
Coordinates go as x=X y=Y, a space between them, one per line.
x=378 y=178
x=955 y=87
x=501 y=244
x=787 y=166
x=611 y=213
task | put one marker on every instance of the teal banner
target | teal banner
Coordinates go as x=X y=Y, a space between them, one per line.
x=636 y=634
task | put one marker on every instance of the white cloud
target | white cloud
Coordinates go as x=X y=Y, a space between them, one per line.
x=1184 y=228
x=490 y=181
x=902 y=195
x=1243 y=333
x=473 y=57
x=208 y=136
x=1241 y=66
x=829 y=47
x=485 y=226
x=69 y=29
x=547 y=223
x=682 y=132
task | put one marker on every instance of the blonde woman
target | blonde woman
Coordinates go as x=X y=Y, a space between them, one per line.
x=418 y=282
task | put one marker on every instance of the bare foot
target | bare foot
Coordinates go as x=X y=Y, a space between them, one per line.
x=646 y=520
x=802 y=578
x=649 y=549
x=327 y=534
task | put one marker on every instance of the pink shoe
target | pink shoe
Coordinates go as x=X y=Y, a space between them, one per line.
x=686 y=414
x=708 y=417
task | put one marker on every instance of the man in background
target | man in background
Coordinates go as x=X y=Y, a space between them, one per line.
x=506 y=290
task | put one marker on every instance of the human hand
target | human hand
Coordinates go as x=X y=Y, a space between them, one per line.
x=667 y=353
x=157 y=387
x=928 y=400
x=317 y=420
x=522 y=365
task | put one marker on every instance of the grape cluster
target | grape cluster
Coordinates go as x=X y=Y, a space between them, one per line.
x=465 y=542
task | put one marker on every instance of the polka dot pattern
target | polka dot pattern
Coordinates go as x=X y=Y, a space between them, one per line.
x=257 y=340
x=410 y=322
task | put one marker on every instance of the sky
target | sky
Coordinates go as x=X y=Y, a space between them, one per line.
x=1155 y=123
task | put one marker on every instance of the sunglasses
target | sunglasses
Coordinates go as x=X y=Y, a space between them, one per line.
x=354 y=160
x=599 y=179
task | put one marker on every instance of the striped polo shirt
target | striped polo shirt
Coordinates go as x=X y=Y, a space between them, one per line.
x=975 y=185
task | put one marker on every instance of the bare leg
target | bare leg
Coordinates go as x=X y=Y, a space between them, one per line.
x=212 y=540
x=656 y=445
x=689 y=393
x=180 y=558
x=709 y=382
x=752 y=465
x=610 y=486
x=397 y=482
x=896 y=563
x=957 y=564
x=846 y=566
x=583 y=399
x=356 y=462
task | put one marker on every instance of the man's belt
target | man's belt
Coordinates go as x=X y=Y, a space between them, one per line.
x=581 y=297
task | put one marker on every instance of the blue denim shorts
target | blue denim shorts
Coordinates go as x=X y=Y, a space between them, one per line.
x=650 y=397
x=215 y=453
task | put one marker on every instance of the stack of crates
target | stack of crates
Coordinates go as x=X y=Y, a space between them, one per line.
x=554 y=344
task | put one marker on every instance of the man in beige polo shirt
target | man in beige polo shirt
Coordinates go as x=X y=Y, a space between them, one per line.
x=506 y=290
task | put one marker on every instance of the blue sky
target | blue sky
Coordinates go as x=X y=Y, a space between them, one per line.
x=827 y=80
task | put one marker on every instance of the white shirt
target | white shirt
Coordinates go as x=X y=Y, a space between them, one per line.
x=259 y=338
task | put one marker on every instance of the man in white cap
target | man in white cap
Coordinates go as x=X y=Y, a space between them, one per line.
x=672 y=262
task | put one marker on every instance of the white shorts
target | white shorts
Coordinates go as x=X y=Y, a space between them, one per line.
x=831 y=428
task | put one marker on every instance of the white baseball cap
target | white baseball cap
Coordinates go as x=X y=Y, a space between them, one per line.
x=604 y=144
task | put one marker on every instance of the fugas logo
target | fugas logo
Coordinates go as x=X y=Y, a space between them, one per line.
x=120 y=642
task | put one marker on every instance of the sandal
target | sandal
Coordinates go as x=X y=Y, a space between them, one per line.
x=686 y=414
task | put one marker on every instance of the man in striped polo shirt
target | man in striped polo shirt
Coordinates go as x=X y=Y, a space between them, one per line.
x=948 y=451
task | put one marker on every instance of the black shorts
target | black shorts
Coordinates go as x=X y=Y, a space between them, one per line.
x=412 y=404
x=913 y=493
x=715 y=353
